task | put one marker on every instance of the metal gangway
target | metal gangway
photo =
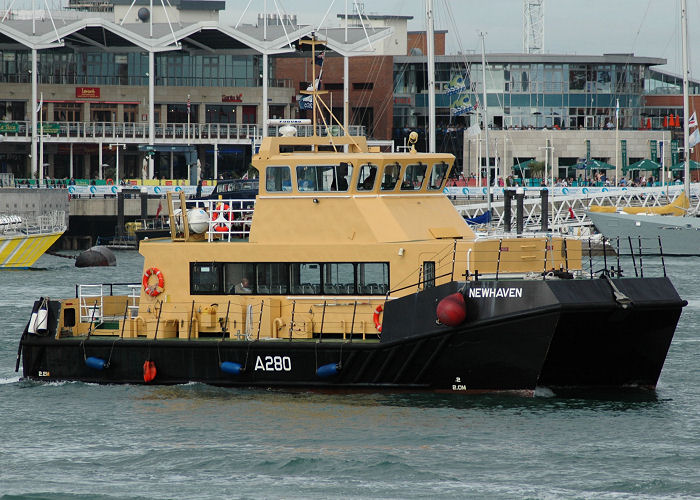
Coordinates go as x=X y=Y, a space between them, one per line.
x=567 y=212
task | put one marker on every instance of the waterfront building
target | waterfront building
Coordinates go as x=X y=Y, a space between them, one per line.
x=199 y=109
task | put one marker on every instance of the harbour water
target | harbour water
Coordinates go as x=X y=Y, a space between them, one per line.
x=81 y=441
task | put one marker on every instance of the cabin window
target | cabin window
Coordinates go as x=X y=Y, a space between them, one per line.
x=391 y=176
x=273 y=279
x=372 y=278
x=338 y=279
x=428 y=274
x=205 y=278
x=324 y=177
x=367 y=177
x=278 y=179
x=239 y=278
x=414 y=176
x=305 y=278
x=437 y=176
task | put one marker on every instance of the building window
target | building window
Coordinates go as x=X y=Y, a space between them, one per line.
x=216 y=113
x=363 y=86
x=250 y=114
x=67 y=112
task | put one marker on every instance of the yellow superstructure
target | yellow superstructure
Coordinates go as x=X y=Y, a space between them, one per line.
x=334 y=235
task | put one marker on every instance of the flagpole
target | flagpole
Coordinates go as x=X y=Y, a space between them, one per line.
x=617 y=143
x=686 y=142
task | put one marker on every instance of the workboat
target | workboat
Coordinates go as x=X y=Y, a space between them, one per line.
x=24 y=239
x=355 y=272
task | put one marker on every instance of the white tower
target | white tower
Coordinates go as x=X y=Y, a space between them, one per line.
x=533 y=26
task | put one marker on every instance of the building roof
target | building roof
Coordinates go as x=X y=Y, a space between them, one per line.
x=374 y=16
x=180 y=4
x=514 y=58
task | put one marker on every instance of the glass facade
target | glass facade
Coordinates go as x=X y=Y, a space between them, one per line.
x=526 y=94
x=173 y=69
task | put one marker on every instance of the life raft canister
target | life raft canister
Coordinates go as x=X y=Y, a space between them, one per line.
x=452 y=310
x=149 y=370
x=375 y=317
x=222 y=217
x=153 y=290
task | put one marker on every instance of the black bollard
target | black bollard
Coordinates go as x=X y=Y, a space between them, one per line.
x=507 y=197
x=544 y=205
x=120 y=215
x=144 y=203
x=519 y=210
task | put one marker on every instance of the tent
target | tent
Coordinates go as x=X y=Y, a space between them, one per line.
x=645 y=165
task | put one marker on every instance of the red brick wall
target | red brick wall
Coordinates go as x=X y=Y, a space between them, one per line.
x=420 y=41
x=376 y=70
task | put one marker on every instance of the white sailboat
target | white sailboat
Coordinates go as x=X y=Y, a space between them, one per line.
x=674 y=233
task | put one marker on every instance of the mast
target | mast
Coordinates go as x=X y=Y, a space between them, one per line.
x=486 y=123
x=686 y=142
x=431 y=75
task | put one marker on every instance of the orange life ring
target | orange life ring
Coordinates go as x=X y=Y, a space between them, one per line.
x=222 y=218
x=110 y=182
x=153 y=290
x=375 y=317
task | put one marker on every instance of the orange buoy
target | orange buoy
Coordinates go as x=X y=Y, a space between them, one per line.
x=149 y=370
x=375 y=317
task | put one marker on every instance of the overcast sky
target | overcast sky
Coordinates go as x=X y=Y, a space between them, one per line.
x=648 y=28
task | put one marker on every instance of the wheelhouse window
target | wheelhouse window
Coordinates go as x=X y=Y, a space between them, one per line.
x=321 y=178
x=372 y=278
x=273 y=278
x=239 y=278
x=305 y=278
x=278 y=278
x=338 y=279
x=205 y=278
x=367 y=177
x=437 y=176
x=391 y=176
x=414 y=176
x=278 y=179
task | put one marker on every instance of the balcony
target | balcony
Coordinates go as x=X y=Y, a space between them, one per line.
x=137 y=133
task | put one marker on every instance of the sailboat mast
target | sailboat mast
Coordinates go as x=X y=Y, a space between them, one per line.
x=486 y=122
x=430 y=35
x=686 y=141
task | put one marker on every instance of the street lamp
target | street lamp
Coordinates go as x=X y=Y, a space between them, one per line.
x=116 y=170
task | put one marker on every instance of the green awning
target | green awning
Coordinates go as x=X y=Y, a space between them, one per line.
x=681 y=166
x=645 y=165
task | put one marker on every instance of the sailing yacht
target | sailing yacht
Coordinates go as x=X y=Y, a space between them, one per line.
x=672 y=230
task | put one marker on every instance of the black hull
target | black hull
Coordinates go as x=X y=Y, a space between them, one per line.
x=456 y=360
x=568 y=333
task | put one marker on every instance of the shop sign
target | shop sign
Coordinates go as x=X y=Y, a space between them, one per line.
x=121 y=59
x=8 y=56
x=232 y=98
x=50 y=128
x=9 y=127
x=407 y=101
x=87 y=92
